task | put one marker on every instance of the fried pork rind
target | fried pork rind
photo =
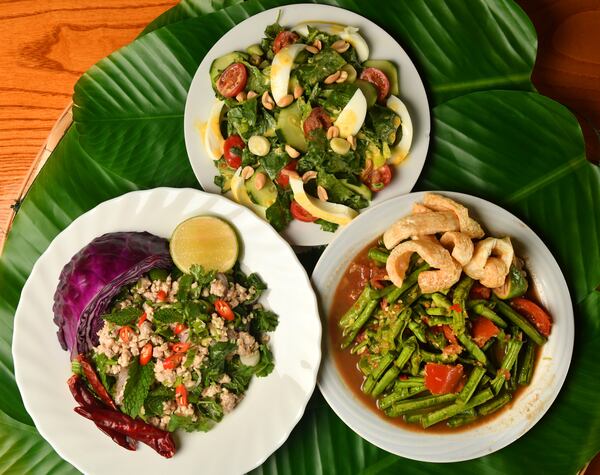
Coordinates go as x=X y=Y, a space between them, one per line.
x=491 y=261
x=459 y=245
x=420 y=224
x=468 y=225
x=447 y=270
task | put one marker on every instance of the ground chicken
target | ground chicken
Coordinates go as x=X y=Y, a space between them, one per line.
x=246 y=344
x=228 y=401
x=218 y=287
x=211 y=391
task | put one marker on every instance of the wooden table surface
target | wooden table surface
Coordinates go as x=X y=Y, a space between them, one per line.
x=45 y=45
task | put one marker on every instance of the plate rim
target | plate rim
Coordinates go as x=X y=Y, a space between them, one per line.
x=319 y=274
x=16 y=342
x=319 y=237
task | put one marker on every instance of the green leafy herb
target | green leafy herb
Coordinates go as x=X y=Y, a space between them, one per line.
x=240 y=376
x=102 y=363
x=339 y=193
x=210 y=408
x=186 y=281
x=274 y=161
x=381 y=120
x=215 y=363
x=319 y=66
x=139 y=380
x=264 y=321
x=278 y=214
x=203 y=277
x=327 y=226
x=266 y=364
x=153 y=404
x=125 y=316
x=203 y=424
x=167 y=315
x=256 y=81
x=320 y=157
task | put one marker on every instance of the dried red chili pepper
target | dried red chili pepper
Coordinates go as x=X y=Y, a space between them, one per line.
x=92 y=378
x=157 y=439
x=85 y=398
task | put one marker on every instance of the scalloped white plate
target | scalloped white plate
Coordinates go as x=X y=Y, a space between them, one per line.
x=532 y=403
x=272 y=406
x=382 y=46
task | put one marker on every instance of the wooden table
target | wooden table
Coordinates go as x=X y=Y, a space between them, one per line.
x=45 y=46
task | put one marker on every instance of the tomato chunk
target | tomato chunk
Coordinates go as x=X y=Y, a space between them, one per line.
x=479 y=292
x=442 y=378
x=283 y=39
x=232 y=151
x=379 y=178
x=534 y=313
x=378 y=78
x=449 y=334
x=482 y=330
x=299 y=213
x=318 y=119
x=283 y=179
x=232 y=80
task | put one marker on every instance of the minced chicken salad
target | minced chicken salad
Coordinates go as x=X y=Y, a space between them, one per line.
x=192 y=341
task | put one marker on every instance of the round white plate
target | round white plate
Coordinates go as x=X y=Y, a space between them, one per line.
x=529 y=407
x=382 y=46
x=272 y=406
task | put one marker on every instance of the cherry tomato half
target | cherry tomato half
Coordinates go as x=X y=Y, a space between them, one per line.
x=318 y=119
x=125 y=334
x=232 y=80
x=146 y=354
x=224 y=310
x=283 y=39
x=378 y=78
x=283 y=179
x=181 y=395
x=379 y=178
x=299 y=213
x=232 y=151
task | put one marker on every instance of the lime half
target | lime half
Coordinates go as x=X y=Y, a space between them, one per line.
x=206 y=241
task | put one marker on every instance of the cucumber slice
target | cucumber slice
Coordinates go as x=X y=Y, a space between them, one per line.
x=389 y=69
x=369 y=91
x=219 y=64
x=289 y=127
x=267 y=195
x=362 y=189
x=515 y=285
x=375 y=155
x=352 y=74
x=226 y=172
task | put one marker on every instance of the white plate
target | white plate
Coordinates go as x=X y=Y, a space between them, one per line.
x=272 y=406
x=382 y=46
x=529 y=407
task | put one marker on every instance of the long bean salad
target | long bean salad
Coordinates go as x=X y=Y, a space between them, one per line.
x=452 y=337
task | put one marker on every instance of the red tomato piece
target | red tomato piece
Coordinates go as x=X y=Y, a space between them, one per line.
x=449 y=334
x=283 y=179
x=179 y=327
x=172 y=361
x=181 y=395
x=479 y=292
x=299 y=213
x=482 y=330
x=125 y=334
x=379 y=178
x=378 y=78
x=224 y=310
x=161 y=296
x=232 y=80
x=146 y=354
x=232 y=151
x=534 y=313
x=283 y=39
x=318 y=119
x=442 y=378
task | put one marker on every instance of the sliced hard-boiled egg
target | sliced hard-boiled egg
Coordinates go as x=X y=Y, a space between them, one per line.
x=332 y=212
x=353 y=115
x=213 y=139
x=281 y=68
x=400 y=151
x=240 y=194
x=346 y=33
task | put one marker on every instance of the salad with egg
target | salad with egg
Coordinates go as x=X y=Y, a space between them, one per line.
x=305 y=126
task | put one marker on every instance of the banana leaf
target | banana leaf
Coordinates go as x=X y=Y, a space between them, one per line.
x=529 y=160
x=132 y=102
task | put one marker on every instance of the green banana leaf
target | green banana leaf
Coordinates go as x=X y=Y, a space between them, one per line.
x=539 y=174
x=132 y=102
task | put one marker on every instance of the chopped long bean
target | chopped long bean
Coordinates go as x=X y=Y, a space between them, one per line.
x=413 y=418
x=409 y=382
x=397 y=396
x=359 y=323
x=435 y=321
x=486 y=312
x=461 y=420
x=520 y=321
x=418 y=329
x=407 y=350
x=441 y=300
x=472 y=348
x=471 y=385
x=512 y=353
x=382 y=365
x=367 y=294
x=419 y=403
x=494 y=404
x=526 y=369
x=369 y=384
x=378 y=255
x=437 y=311
x=459 y=311
x=386 y=380
x=454 y=409
x=409 y=282
x=429 y=357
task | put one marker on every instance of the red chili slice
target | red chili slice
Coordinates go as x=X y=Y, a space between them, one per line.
x=232 y=80
x=283 y=39
x=318 y=119
x=378 y=78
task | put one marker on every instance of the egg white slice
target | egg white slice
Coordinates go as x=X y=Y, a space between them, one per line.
x=347 y=33
x=353 y=115
x=400 y=151
x=281 y=69
x=213 y=139
x=240 y=194
x=332 y=212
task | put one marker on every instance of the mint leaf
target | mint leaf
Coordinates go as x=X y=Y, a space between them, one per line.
x=137 y=387
x=125 y=316
x=167 y=315
x=203 y=424
x=202 y=277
